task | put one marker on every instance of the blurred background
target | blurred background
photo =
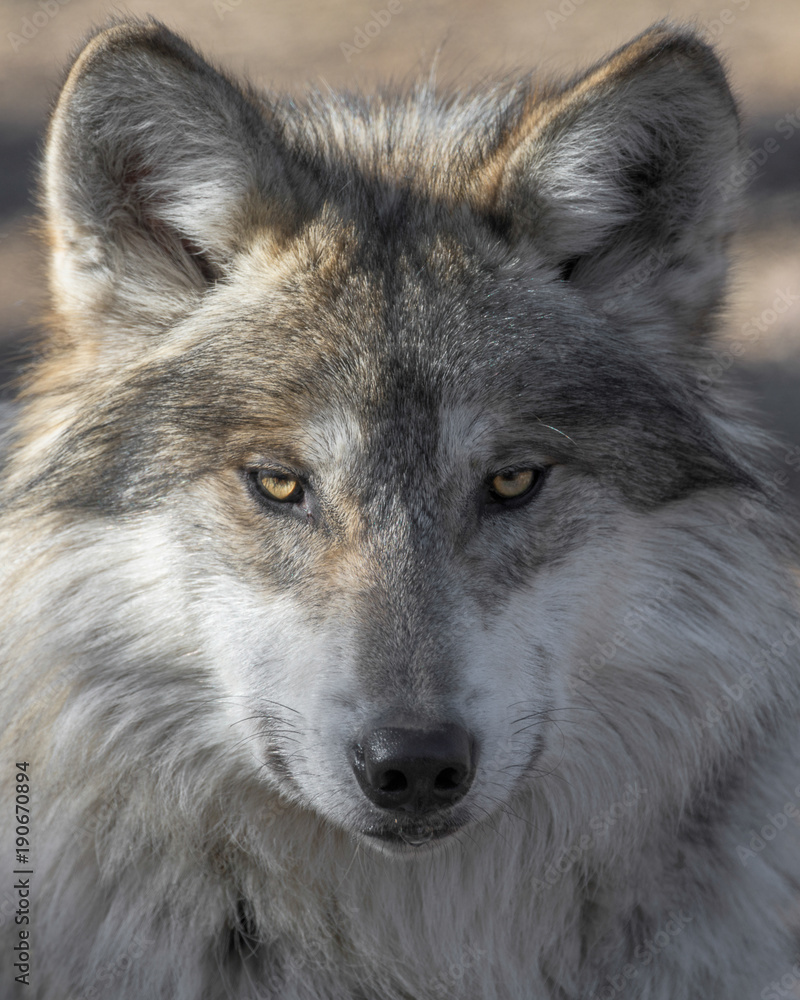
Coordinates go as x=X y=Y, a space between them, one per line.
x=353 y=43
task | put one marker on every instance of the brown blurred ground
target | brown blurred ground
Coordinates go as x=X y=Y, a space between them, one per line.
x=285 y=43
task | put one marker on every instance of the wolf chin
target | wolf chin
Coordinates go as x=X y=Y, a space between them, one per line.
x=392 y=607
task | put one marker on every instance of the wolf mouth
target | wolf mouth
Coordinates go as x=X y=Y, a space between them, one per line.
x=401 y=835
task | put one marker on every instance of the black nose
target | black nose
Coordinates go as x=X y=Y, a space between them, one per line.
x=414 y=770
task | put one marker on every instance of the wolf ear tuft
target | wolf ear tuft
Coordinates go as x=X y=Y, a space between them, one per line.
x=157 y=168
x=622 y=179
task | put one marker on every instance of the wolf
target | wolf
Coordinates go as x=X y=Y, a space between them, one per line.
x=393 y=607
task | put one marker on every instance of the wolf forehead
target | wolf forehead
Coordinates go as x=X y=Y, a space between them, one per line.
x=405 y=311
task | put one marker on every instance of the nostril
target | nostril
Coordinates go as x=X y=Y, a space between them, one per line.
x=447 y=779
x=393 y=781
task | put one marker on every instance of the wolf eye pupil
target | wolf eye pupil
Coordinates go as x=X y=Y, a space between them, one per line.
x=507 y=485
x=284 y=489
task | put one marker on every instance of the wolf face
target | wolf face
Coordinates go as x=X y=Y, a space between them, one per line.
x=378 y=504
x=391 y=407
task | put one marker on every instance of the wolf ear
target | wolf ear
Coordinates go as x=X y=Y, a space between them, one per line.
x=156 y=169
x=622 y=180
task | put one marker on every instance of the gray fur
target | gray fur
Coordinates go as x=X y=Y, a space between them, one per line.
x=393 y=299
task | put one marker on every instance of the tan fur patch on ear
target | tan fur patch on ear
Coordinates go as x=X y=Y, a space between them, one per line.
x=544 y=107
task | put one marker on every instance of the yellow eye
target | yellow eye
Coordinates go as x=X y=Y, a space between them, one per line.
x=284 y=489
x=513 y=483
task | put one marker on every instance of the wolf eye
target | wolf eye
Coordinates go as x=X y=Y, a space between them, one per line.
x=512 y=483
x=274 y=486
x=512 y=486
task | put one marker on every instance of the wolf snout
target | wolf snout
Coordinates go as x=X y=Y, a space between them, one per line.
x=414 y=770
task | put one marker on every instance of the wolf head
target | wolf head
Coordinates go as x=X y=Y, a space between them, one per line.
x=370 y=433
